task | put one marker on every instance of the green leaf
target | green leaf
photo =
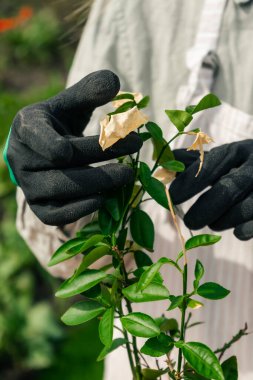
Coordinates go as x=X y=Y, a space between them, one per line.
x=123 y=108
x=145 y=174
x=145 y=136
x=64 y=251
x=150 y=272
x=106 y=327
x=202 y=359
x=92 y=241
x=208 y=101
x=140 y=324
x=142 y=229
x=139 y=271
x=106 y=222
x=212 y=291
x=168 y=324
x=142 y=259
x=158 y=346
x=179 y=118
x=162 y=151
x=121 y=239
x=82 y=312
x=190 y=374
x=199 y=273
x=152 y=374
x=92 y=257
x=124 y=96
x=230 y=369
x=155 y=131
x=81 y=283
x=153 y=292
x=114 y=205
x=115 y=344
x=143 y=102
x=173 y=165
x=194 y=304
x=176 y=301
x=153 y=187
x=201 y=240
x=89 y=230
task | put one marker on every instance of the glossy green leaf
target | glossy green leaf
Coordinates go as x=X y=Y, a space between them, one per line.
x=230 y=369
x=115 y=344
x=145 y=136
x=145 y=174
x=139 y=271
x=89 y=230
x=208 y=101
x=81 y=283
x=153 y=292
x=123 y=108
x=179 y=118
x=106 y=327
x=64 y=251
x=198 y=272
x=202 y=359
x=92 y=241
x=142 y=259
x=190 y=374
x=155 y=131
x=152 y=374
x=121 y=239
x=212 y=291
x=91 y=257
x=162 y=151
x=106 y=222
x=201 y=240
x=149 y=274
x=114 y=205
x=82 y=312
x=126 y=95
x=153 y=187
x=167 y=324
x=176 y=301
x=142 y=229
x=143 y=102
x=158 y=346
x=194 y=304
x=174 y=165
x=140 y=324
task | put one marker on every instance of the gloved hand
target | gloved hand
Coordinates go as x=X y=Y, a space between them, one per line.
x=50 y=159
x=228 y=203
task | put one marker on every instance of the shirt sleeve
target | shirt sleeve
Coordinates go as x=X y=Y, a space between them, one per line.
x=97 y=50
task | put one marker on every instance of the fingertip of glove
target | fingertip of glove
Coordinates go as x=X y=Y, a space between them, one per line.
x=102 y=86
x=244 y=231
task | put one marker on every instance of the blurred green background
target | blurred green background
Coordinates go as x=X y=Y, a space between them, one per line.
x=36 y=49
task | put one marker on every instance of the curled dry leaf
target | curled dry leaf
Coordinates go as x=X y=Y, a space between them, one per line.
x=201 y=138
x=164 y=175
x=118 y=126
x=137 y=97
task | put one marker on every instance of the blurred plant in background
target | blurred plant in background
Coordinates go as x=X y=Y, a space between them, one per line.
x=34 y=62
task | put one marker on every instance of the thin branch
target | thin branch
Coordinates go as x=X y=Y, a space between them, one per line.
x=234 y=339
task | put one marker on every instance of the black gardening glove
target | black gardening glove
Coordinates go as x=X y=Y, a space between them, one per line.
x=228 y=203
x=49 y=158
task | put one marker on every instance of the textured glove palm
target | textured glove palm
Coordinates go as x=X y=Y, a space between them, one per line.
x=228 y=203
x=50 y=159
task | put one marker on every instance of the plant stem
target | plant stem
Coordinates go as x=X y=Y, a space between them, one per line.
x=129 y=353
x=135 y=349
x=183 y=311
